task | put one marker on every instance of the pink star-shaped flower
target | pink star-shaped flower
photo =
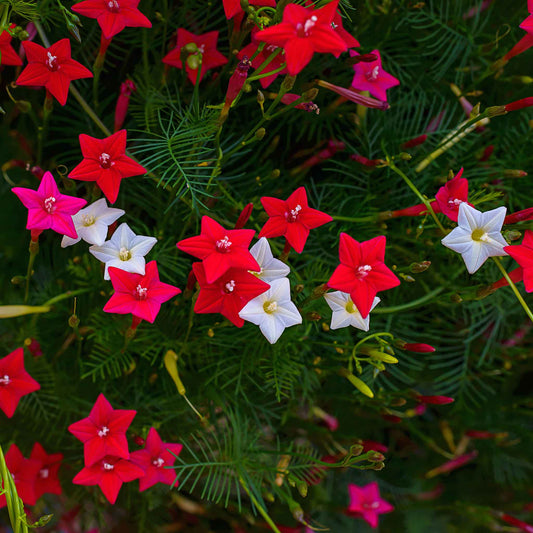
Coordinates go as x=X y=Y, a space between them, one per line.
x=103 y=432
x=105 y=161
x=206 y=45
x=523 y=255
x=24 y=472
x=48 y=208
x=154 y=460
x=372 y=78
x=292 y=218
x=452 y=195
x=365 y=502
x=52 y=68
x=220 y=249
x=15 y=382
x=8 y=56
x=228 y=294
x=302 y=32
x=362 y=272
x=113 y=15
x=139 y=295
x=109 y=473
x=47 y=481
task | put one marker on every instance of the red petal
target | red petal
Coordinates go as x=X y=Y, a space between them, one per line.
x=35 y=53
x=279 y=34
x=110 y=484
x=35 y=74
x=349 y=251
x=296 y=235
x=128 y=167
x=89 y=8
x=58 y=84
x=298 y=53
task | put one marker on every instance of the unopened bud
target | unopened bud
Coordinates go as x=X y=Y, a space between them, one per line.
x=260 y=133
x=381 y=356
x=496 y=111
x=193 y=62
x=191 y=48
x=398 y=402
x=210 y=333
x=356 y=449
x=74 y=30
x=309 y=95
x=18 y=280
x=287 y=83
x=405 y=156
x=313 y=316
x=260 y=97
x=23 y=106
x=512 y=235
x=319 y=291
x=275 y=173
x=375 y=457
x=416 y=268
x=456 y=298
x=73 y=321
x=302 y=488
x=377 y=466
x=298 y=288
x=514 y=173
x=406 y=277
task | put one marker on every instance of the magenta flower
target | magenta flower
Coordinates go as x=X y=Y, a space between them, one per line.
x=103 y=432
x=155 y=459
x=139 y=295
x=302 y=32
x=48 y=208
x=366 y=503
x=372 y=78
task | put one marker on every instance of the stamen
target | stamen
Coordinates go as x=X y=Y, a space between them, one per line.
x=124 y=254
x=88 y=220
x=5 y=380
x=113 y=6
x=105 y=160
x=108 y=466
x=141 y=292
x=373 y=74
x=158 y=463
x=223 y=245
x=292 y=215
x=51 y=62
x=103 y=431
x=229 y=286
x=479 y=235
x=350 y=307
x=44 y=473
x=363 y=271
x=49 y=204
x=270 y=307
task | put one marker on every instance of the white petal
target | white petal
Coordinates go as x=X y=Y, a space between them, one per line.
x=359 y=322
x=135 y=265
x=280 y=290
x=105 y=253
x=253 y=311
x=96 y=208
x=94 y=234
x=475 y=257
x=458 y=237
x=273 y=269
x=493 y=220
x=469 y=217
x=337 y=300
x=110 y=215
x=288 y=314
x=123 y=237
x=272 y=329
x=67 y=241
x=261 y=251
x=141 y=245
x=340 y=319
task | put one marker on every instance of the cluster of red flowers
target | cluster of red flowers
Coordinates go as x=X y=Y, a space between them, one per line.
x=108 y=462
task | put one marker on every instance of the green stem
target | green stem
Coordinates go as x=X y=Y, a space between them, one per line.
x=409 y=305
x=65 y=295
x=422 y=198
x=259 y=507
x=514 y=288
x=34 y=250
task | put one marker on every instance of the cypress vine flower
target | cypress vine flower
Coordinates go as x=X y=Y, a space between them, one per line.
x=366 y=503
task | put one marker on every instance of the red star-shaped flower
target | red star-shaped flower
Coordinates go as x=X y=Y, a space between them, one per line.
x=452 y=195
x=302 y=32
x=154 y=460
x=523 y=255
x=260 y=58
x=113 y=15
x=52 y=68
x=366 y=503
x=47 y=481
x=220 y=249
x=292 y=218
x=15 y=382
x=109 y=473
x=139 y=295
x=228 y=294
x=206 y=45
x=48 y=208
x=105 y=161
x=233 y=7
x=362 y=272
x=24 y=472
x=103 y=432
x=8 y=56
x=372 y=78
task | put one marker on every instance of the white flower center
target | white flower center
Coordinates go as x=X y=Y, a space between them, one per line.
x=51 y=62
x=292 y=215
x=480 y=235
x=88 y=220
x=370 y=505
x=5 y=380
x=223 y=245
x=141 y=292
x=44 y=473
x=105 y=160
x=113 y=6
x=108 y=466
x=158 y=463
x=103 y=431
x=49 y=204
x=124 y=254
x=304 y=29
x=363 y=271
x=373 y=74
x=453 y=203
x=229 y=286
x=270 y=307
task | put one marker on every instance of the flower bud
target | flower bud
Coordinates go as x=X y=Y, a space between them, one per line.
x=73 y=321
x=512 y=235
x=287 y=83
x=434 y=400
x=514 y=173
x=416 y=268
x=377 y=466
x=190 y=48
x=244 y=216
x=381 y=356
x=313 y=316
x=18 y=280
x=518 y=104
x=359 y=384
x=260 y=133
x=414 y=142
x=375 y=457
x=193 y=62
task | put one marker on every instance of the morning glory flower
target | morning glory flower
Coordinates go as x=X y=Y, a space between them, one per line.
x=345 y=313
x=124 y=250
x=273 y=310
x=271 y=268
x=477 y=236
x=91 y=223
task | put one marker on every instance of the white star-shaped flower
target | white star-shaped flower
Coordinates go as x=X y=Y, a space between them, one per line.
x=124 y=250
x=91 y=223
x=273 y=310
x=271 y=268
x=345 y=313
x=477 y=235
